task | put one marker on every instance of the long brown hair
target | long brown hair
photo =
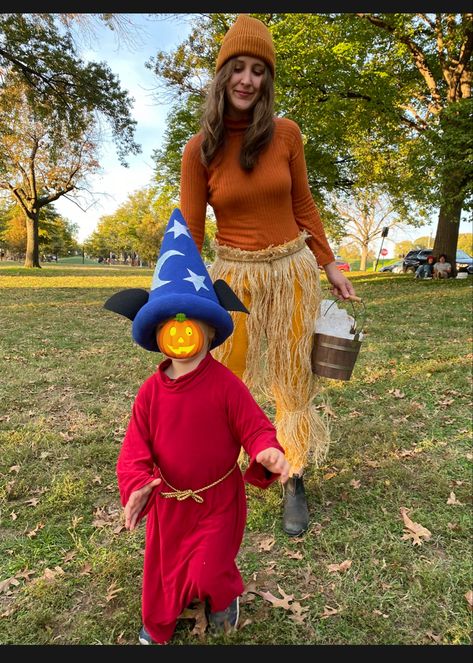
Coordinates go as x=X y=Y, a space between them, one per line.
x=259 y=131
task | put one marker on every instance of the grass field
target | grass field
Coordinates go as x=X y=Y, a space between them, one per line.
x=70 y=573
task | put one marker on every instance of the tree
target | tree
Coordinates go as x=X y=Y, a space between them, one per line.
x=430 y=58
x=364 y=215
x=382 y=100
x=51 y=103
x=465 y=242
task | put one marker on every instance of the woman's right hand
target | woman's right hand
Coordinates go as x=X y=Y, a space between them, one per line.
x=342 y=288
x=137 y=503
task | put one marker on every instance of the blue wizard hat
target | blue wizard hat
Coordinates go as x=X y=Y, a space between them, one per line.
x=181 y=284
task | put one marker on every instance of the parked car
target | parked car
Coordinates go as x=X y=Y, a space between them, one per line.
x=464 y=262
x=342 y=265
x=394 y=267
x=416 y=257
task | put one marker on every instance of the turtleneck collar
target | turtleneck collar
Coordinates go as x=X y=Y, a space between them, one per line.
x=184 y=381
x=236 y=126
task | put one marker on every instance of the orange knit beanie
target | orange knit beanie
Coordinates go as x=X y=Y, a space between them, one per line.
x=247 y=36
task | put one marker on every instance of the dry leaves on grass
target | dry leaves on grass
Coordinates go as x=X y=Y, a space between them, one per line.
x=196 y=612
x=355 y=483
x=33 y=532
x=51 y=574
x=453 y=500
x=397 y=393
x=293 y=554
x=285 y=601
x=330 y=612
x=266 y=544
x=412 y=530
x=340 y=568
x=112 y=591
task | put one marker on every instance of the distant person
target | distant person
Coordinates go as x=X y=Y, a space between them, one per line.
x=426 y=271
x=2 y=254
x=442 y=268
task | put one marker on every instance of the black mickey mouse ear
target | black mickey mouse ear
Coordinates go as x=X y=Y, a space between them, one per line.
x=127 y=302
x=227 y=297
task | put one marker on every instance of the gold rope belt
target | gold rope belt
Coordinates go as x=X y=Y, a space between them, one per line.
x=184 y=494
x=270 y=253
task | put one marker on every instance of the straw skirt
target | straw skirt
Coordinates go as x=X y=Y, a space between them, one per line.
x=270 y=349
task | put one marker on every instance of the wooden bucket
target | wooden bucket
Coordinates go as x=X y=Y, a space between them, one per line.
x=335 y=357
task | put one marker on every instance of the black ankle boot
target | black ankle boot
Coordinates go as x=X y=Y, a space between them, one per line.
x=296 y=514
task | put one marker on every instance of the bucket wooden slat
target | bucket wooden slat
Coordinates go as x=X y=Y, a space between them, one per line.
x=334 y=357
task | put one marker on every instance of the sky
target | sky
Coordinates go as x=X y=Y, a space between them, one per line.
x=115 y=183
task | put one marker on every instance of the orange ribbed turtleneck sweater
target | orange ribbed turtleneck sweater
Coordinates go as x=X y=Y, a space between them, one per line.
x=267 y=206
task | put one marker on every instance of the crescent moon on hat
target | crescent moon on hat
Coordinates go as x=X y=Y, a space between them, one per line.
x=157 y=282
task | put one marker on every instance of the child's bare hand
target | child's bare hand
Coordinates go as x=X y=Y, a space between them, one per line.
x=274 y=461
x=137 y=502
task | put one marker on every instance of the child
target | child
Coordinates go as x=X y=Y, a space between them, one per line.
x=178 y=463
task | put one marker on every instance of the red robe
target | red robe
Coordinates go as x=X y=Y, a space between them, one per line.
x=192 y=429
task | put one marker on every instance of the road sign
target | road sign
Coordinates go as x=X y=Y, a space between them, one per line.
x=384 y=252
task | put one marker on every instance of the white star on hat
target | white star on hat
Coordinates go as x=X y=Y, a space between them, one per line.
x=196 y=280
x=178 y=229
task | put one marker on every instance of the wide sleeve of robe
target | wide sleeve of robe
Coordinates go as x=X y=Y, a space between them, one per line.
x=254 y=430
x=135 y=465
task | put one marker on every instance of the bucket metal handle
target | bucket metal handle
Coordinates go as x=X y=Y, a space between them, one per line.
x=353 y=298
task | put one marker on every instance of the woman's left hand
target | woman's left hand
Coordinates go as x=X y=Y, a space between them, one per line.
x=342 y=287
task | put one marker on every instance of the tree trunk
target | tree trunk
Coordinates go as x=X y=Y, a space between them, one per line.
x=446 y=238
x=364 y=257
x=32 y=240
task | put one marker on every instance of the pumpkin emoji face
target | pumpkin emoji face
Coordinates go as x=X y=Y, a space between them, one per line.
x=180 y=338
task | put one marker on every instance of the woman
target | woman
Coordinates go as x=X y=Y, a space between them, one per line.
x=250 y=167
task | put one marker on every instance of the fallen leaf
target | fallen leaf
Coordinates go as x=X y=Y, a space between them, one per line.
x=469 y=598
x=453 y=526
x=413 y=530
x=453 y=499
x=69 y=556
x=196 y=612
x=86 y=569
x=267 y=544
x=380 y=614
x=97 y=479
x=13 y=515
x=329 y=612
x=51 y=574
x=342 y=567
x=33 y=501
x=112 y=591
x=355 y=483
x=15 y=468
x=329 y=476
x=32 y=533
x=294 y=555
x=432 y=636
x=275 y=601
x=6 y=584
x=247 y=622
x=372 y=463
x=397 y=393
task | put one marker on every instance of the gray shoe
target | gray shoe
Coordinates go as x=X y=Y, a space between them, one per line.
x=296 y=514
x=230 y=616
x=145 y=638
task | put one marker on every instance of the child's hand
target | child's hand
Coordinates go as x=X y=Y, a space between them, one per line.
x=274 y=461
x=137 y=502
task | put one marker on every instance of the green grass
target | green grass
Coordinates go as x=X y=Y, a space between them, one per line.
x=401 y=427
